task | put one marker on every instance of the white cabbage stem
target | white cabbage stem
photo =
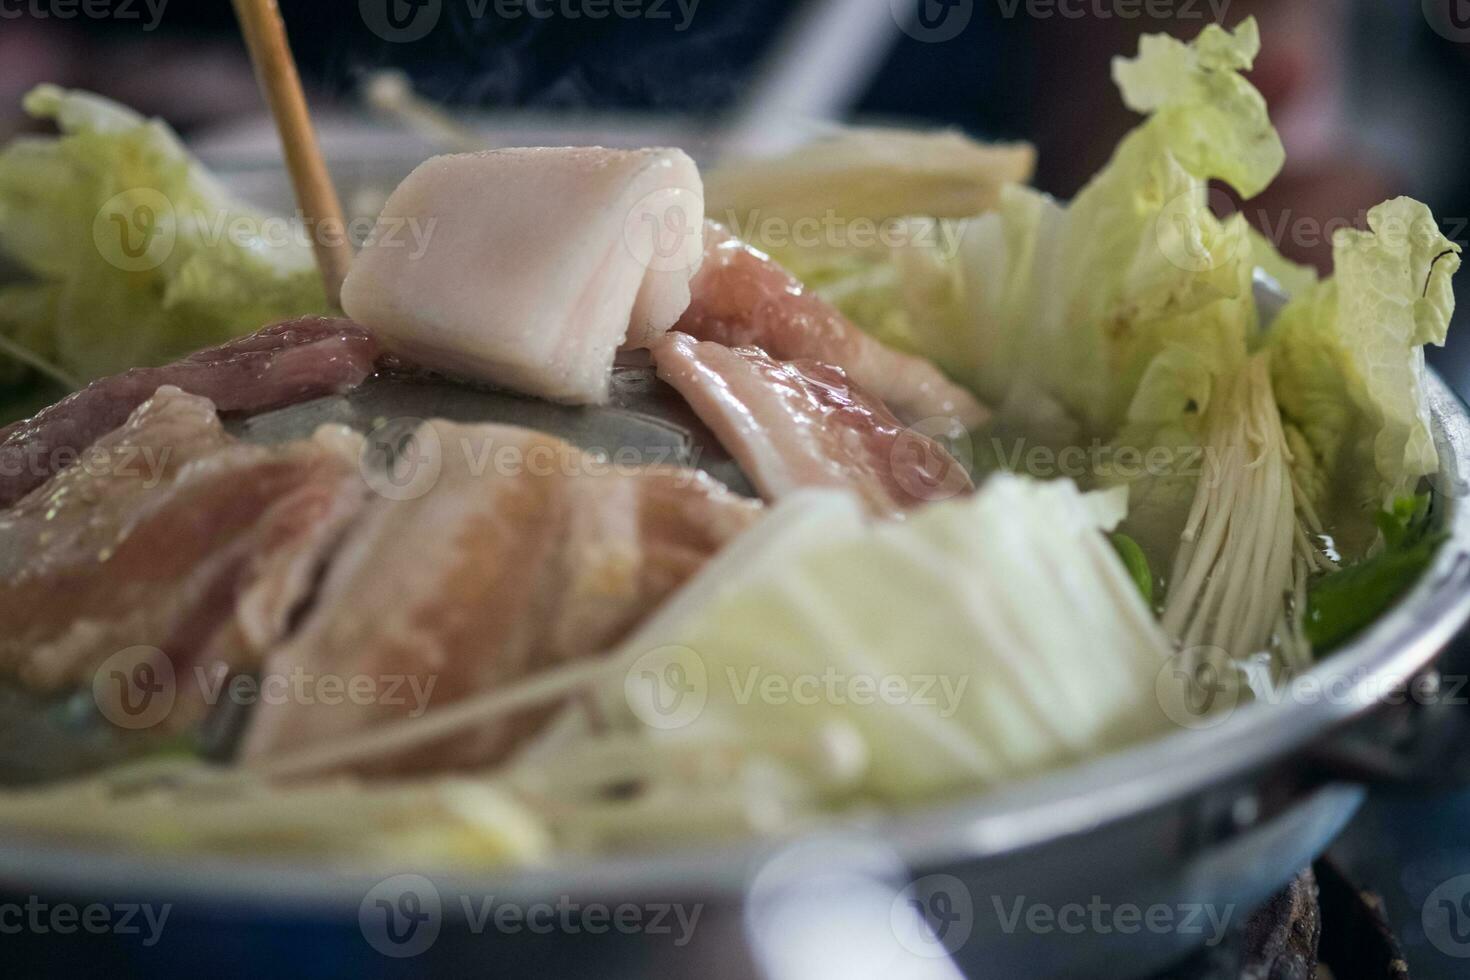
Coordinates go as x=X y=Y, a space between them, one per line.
x=1234 y=569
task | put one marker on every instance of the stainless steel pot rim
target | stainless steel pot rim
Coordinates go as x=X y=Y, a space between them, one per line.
x=998 y=823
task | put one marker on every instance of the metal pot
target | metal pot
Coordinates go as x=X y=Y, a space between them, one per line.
x=1112 y=868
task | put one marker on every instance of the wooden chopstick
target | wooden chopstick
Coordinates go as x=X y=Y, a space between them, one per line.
x=316 y=196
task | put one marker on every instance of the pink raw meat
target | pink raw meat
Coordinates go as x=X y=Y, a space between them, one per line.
x=805 y=424
x=169 y=534
x=741 y=298
x=279 y=365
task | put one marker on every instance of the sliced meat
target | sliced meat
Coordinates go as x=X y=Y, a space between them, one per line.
x=523 y=553
x=794 y=424
x=167 y=533
x=535 y=265
x=740 y=298
x=79 y=512
x=282 y=364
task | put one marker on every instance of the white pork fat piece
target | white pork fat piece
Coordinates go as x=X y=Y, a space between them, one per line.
x=529 y=268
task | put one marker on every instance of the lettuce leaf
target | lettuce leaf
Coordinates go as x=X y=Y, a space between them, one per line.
x=132 y=253
x=1079 y=299
x=865 y=173
x=1349 y=368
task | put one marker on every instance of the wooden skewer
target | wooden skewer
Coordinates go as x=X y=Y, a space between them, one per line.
x=265 y=36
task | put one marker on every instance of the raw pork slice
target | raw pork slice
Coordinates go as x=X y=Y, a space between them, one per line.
x=521 y=553
x=535 y=266
x=741 y=298
x=800 y=424
x=168 y=533
x=282 y=364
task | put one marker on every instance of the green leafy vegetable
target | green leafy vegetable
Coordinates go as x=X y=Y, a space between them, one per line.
x=1406 y=523
x=1349 y=366
x=1125 y=313
x=1341 y=604
x=132 y=253
x=1079 y=300
x=1137 y=564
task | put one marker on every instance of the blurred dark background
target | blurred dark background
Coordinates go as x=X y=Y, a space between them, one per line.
x=1367 y=94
